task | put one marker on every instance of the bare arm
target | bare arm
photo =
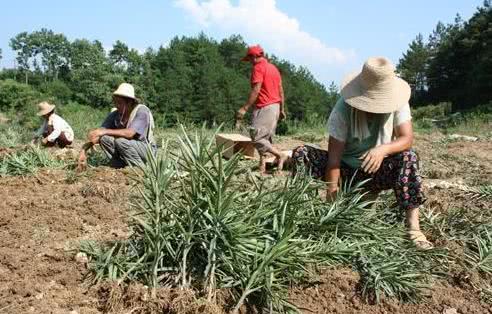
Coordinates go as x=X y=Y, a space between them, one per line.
x=374 y=157
x=125 y=133
x=253 y=96
x=403 y=141
x=332 y=171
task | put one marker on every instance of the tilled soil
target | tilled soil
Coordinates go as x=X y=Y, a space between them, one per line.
x=42 y=221
x=44 y=217
x=336 y=292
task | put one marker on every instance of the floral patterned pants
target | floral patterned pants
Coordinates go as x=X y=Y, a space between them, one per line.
x=398 y=172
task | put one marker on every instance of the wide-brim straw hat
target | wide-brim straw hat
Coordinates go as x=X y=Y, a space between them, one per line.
x=376 y=88
x=45 y=108
x=125 y=90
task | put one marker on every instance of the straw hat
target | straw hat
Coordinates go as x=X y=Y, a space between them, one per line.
x=376 y=89
x=125 y=90
x=45 y=108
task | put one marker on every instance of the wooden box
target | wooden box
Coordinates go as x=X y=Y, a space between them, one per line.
x=234 y=143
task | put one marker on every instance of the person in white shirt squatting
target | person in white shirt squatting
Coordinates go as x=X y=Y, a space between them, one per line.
x=54 y=130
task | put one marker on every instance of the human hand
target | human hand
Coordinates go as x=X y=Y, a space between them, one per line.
x=372 y=159
x=45 y=141
x=241 y=113
x=283 y=115
x=94 y=136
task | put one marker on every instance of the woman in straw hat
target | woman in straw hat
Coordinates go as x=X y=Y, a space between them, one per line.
x=54 y=130
x=370 y=137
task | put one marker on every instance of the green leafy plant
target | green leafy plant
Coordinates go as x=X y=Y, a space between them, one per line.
x=481 y=192
x=478 y=254
x=197 y=226
x=27 y=161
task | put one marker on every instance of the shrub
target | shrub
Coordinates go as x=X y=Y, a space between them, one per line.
x=439 y=111
x=17 y=96
x=57 y=89
x=82 y=118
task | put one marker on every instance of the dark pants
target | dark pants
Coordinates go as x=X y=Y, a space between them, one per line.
x=61 y=140
x=398 y=172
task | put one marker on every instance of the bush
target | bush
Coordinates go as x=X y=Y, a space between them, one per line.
x=439 y=111
x=57 y=89
x=82 y=118
x=17 y=96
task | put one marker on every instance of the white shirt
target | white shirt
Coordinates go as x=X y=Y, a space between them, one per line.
x=59 y=126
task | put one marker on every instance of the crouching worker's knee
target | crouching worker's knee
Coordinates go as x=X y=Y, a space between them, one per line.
x=106 y=140
x=121 y=144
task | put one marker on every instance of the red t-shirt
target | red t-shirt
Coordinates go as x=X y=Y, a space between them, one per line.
x=268 y=75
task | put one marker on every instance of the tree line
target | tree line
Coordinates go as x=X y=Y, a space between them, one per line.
x=193 y=79
x=454 y=64
x=198 y=79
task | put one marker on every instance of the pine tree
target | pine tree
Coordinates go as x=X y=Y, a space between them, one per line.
x=413 y=68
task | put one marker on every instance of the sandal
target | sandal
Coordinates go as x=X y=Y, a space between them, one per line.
x=419 y=239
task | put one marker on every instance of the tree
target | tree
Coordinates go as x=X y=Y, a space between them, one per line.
x=119 y=54
x=54 y=50
x=91 y=77
x=22 y=45
x=461 y=65
x=194 y=79
x=413 y=68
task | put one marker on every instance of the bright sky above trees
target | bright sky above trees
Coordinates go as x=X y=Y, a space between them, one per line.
x=331 y=38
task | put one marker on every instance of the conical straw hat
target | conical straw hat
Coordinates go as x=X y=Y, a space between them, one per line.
x=45 y=108
x=125 y=90
x=376 y=88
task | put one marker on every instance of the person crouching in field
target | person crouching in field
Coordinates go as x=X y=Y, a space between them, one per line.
x=54 y=130
x=370 y=137
x=125 y=134
x=267 y=95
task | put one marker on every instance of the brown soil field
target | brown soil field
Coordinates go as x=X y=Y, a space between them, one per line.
x=44 y=217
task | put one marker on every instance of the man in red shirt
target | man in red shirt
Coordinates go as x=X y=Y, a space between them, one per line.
x=267 y=95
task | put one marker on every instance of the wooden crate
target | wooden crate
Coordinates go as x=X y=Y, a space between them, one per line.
x=234 y=143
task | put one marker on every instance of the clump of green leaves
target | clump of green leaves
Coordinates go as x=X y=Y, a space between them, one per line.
x=27 y=161
x=481 y=192
x=197 y=226
x=478 y=253
x=97 y=158
x=13 y=136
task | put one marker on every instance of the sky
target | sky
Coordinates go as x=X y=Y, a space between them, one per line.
x=332 y=38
